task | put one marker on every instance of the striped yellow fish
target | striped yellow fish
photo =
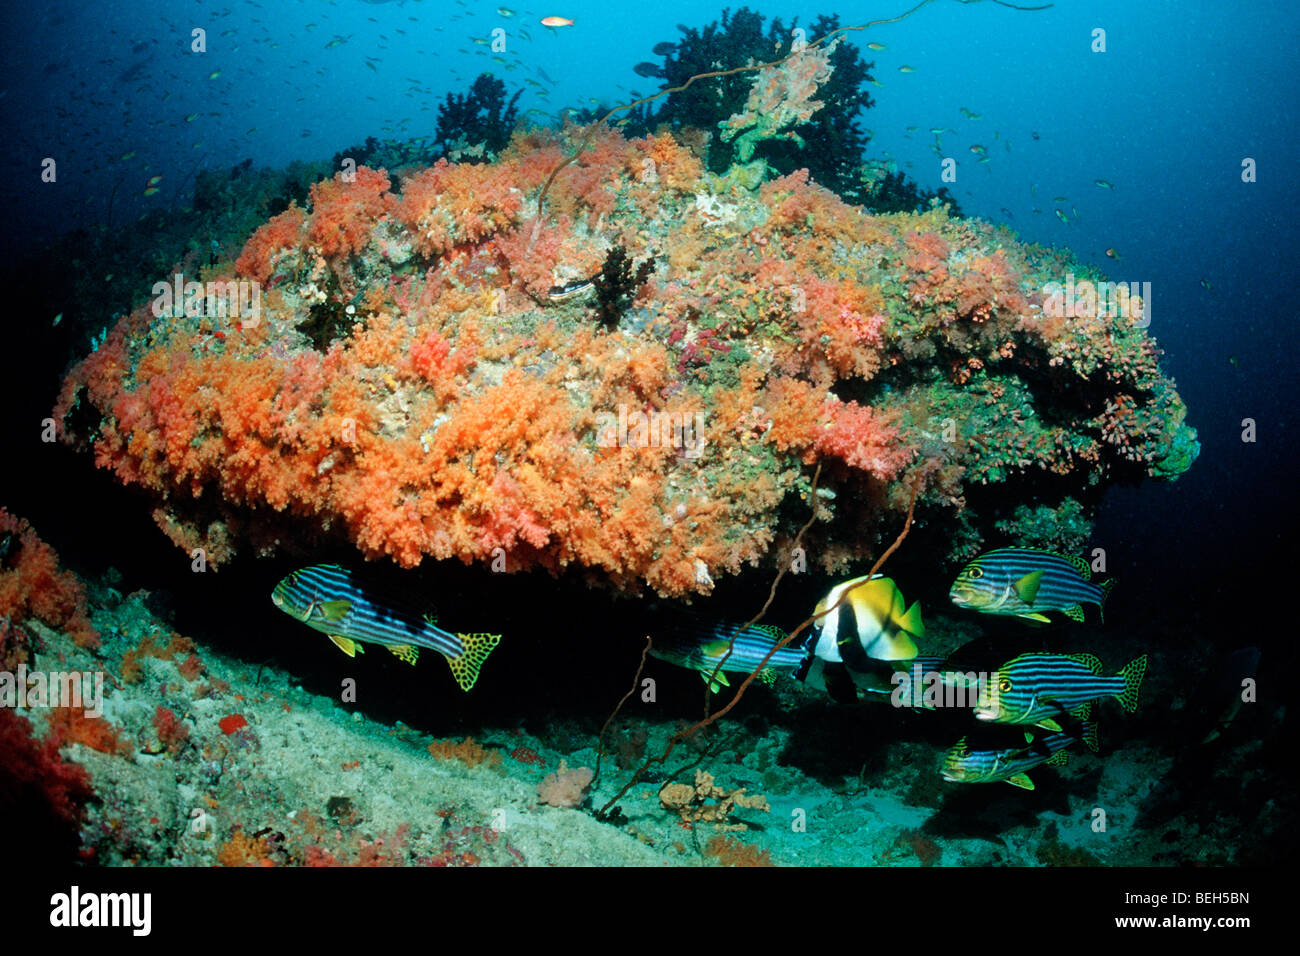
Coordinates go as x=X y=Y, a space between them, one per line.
x=1026 y=582
x=329 y=599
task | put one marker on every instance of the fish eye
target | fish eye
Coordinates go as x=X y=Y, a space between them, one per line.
x=1004 y=685
x=976 y=573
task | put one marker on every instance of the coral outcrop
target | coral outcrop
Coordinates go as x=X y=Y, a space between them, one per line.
x=424 y=374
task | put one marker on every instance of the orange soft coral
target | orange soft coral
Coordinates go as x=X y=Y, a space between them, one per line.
x=263 y=248
x=423 y=388
x=31 y=585
x=345 y=209
x=450 y=204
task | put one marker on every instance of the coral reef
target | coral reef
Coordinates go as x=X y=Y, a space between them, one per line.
x=617 y=284
x=172 y=786
x=32 y=585
x=454 y=410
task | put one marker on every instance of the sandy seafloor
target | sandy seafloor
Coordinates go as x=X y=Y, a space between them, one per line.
x=308 y=780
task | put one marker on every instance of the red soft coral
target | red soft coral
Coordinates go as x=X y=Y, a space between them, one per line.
x=31 y=584
x=41 y=794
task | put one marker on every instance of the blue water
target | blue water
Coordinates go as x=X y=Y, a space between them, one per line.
x=1184 y=93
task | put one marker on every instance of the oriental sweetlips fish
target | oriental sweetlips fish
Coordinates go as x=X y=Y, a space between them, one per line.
x=964 y=764
x=1025 y=582
x=872 y=622
x=328 y=598
x=1040 y=688
x=703 y=646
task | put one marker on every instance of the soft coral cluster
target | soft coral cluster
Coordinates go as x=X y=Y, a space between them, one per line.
x=43 y=795
x=345 y=209
x=429 y=380
x=31 y=585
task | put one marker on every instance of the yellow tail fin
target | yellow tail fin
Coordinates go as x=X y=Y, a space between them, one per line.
x=477 y=647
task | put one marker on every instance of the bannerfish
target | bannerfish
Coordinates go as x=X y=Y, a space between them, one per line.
x=873 y=621
x=702 y=645
x=1039 y=689
x=329 y=599
x=1025 y=582
x=964 y=764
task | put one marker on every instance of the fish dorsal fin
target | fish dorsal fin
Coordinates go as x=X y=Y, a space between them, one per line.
x=873 y=598
x=335 y=611
x=431 y=617
x=772 y=631
x=1079 y=564
x=346 y=645
x=405 y=652
x=1027 y=587
x=1090 y=661
x=476 y=648
x=1022 y=781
